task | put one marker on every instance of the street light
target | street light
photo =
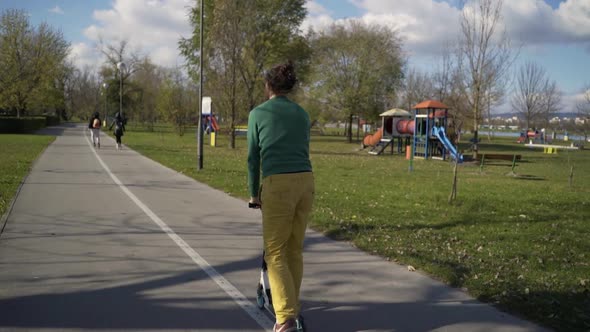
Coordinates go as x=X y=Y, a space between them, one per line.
x=200 y=121
x=121 y=67
x=104 y=90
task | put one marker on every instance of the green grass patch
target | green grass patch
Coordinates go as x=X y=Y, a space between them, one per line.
x=17 y=153
x=519 y=242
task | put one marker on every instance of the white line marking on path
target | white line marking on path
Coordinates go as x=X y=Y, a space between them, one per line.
x=230 y=289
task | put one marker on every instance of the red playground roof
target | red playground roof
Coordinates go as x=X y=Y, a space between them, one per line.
x=431 y=104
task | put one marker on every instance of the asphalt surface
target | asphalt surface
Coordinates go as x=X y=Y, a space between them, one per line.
x=110 y=240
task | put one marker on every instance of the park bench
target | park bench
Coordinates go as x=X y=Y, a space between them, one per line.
x=511 y=158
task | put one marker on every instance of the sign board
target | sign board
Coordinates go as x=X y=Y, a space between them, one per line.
x=206 y=107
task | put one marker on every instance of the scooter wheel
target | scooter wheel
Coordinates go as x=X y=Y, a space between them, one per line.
x=300 y=324
x=260 y=297
x=260 y=302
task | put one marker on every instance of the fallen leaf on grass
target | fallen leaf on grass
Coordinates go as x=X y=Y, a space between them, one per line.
x=411 y=268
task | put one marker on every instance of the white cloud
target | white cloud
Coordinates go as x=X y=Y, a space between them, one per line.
x=154 y=27
x=56 y=10
x=535 y=22
x=318 y=17
x=83 y=55
x=314 y=8
x=574 y=16
x=426 y=25
x=571 y=101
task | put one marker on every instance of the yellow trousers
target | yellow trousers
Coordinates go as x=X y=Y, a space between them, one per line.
x=286 y=204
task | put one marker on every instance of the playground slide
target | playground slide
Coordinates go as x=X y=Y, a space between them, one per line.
x=214 y=124
x=440 y=133
x=372 y=140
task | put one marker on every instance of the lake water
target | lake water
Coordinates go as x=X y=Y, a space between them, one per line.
x=512 y=134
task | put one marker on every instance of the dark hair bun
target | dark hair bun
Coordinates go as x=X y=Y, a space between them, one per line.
x=281 y=78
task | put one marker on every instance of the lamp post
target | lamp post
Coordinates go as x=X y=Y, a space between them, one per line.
x=121 y=67
x=104 y=90
x=200 y=120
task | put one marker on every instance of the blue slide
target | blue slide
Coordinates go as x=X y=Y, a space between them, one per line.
x=440 y=133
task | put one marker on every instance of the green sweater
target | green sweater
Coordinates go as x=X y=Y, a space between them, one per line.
x=278 y=138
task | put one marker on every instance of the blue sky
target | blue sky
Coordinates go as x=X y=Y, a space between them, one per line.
x=553 y=33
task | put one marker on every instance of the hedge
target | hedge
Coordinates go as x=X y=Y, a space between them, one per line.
x=13 y=125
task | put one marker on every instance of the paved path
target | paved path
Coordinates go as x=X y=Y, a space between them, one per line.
x=112 y=241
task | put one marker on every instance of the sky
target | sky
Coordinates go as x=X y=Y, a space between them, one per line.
x=555 y=34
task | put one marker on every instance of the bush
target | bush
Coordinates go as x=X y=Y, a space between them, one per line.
x=13 y=125
x=52 y=120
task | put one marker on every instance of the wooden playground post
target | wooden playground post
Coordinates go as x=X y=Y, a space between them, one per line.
x=483 y=157
x=453 y=194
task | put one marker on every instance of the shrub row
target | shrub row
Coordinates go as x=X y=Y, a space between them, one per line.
x=13 y=125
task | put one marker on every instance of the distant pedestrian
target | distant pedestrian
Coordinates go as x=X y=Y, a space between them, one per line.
x=94 y=126
x=278 y=144
x=119 y=125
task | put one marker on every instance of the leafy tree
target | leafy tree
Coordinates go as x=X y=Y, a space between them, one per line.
x=148 y=80
x=173 y=101
x=356 y=69
x=241 y=38
x=31 y=60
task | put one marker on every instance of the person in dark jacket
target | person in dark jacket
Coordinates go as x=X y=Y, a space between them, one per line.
x=119 y=124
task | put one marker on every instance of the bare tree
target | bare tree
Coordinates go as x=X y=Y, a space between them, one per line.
x=485 y=56
x=447 y=84
x=583 y=108
x=535 y=98
x=442 y=78
x=82 y=91
x=551 y=102
x=115 y=53
x=417 y=87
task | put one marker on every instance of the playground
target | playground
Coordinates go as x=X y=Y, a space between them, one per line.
x=422 y=134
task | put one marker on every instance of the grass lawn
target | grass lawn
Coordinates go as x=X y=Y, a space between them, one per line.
x=521 y=243
x=17 y=153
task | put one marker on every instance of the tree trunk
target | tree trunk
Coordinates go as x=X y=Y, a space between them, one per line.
x=232 y=125
x=475 y=137
x=349 y=133
x=232 y=138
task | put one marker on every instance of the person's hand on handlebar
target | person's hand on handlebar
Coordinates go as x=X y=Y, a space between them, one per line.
x=254 y=203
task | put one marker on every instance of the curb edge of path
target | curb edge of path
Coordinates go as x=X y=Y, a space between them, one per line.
x=4 y=217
